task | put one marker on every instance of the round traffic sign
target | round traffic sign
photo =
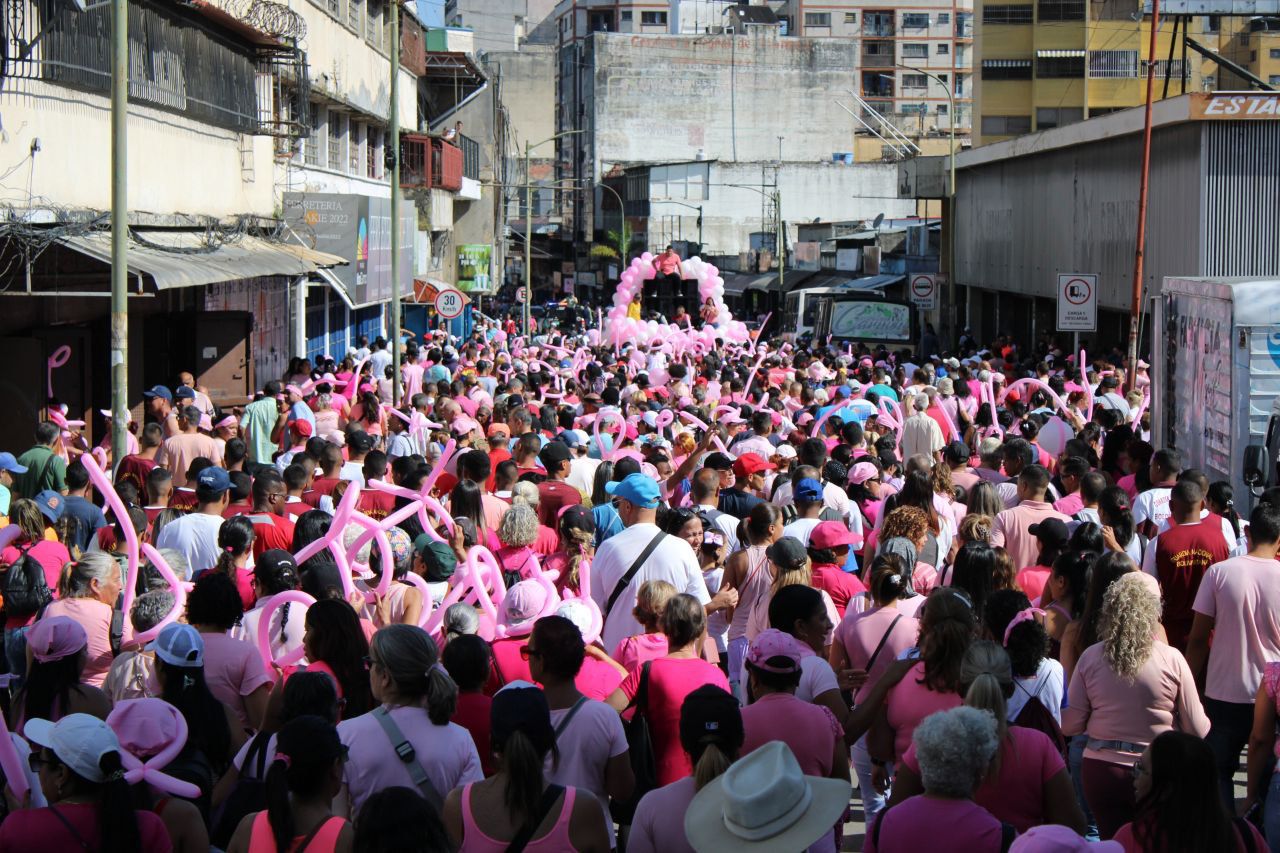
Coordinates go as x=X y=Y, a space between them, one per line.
x=1077 y=290
x=521 y=294
x=922 y=286
x=449 y=304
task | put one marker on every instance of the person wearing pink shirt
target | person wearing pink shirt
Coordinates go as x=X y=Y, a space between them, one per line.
x=1126 y=690
x=1051 y=536
x=89 y=588
x=1070 y=472
x=632 y=652
x=1013 y=526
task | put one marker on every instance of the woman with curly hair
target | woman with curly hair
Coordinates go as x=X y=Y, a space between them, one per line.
x=1127 y=689
x=912 y=524
x=518 y=533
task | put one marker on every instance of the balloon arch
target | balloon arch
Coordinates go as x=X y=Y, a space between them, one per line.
x=619 y=328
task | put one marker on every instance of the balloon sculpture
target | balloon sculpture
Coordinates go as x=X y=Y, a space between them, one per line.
x=619 y=328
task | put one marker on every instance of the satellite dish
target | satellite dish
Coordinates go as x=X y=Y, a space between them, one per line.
x=879 y=221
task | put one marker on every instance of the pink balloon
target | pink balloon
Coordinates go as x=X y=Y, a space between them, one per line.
x=151 y=771
x=615 y=417
x=121 y=513
x=1058 y=401
x=179 y=596
x=274 y=603
x=14 y=772
x=1088 y=392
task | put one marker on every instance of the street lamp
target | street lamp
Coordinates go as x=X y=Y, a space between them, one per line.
x=691 y=207
x=528 y=227
x=951 y=195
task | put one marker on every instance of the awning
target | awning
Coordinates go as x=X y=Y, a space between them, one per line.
x=737 y=284
x=871 y=282
x=425 y=291
x=173 y=259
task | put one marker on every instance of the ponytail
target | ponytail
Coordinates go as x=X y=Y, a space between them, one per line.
x=713 y=761
x=442 y=695
x=279 y=814
x=524 y=764
x=117 y=820
x=306 y=749
x=986 y=679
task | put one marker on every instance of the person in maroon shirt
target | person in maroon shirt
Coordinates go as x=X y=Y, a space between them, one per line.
x=135 y=467
x=330 y=467
x=1184 y=553
x=553 y=492
x=271 y=529
x=184 y=498
x=375 y=503
x=829 y=545
x=468 y=660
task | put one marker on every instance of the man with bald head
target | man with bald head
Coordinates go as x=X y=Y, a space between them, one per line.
x=704 y=494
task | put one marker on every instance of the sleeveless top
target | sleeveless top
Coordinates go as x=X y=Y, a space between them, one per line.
x=1055 y=646
x=475 y=841
x=325 y=841
x=753 y=594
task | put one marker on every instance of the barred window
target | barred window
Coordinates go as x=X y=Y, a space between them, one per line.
x=1006 y=69
x=1006 y=14
x=1005 y=125
x=1113 y=63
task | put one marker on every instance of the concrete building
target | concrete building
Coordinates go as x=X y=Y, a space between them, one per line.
x=1065 y=201
x=1253 y=44
x=1054 y=62
x=502 y=25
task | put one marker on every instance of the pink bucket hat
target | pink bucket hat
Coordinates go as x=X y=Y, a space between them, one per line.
x=151 y=733
x=56 y=637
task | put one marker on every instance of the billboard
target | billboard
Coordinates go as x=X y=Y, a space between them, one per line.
x=358 y=228
x=473 y=268
x=870 y=321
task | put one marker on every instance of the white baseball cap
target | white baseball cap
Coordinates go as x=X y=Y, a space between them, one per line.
x=79 y=741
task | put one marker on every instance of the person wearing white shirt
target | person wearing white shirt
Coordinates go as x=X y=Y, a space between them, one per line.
x=195 y=535
x=670 y=559
x=704 y=494
x=921 y=434
x=809 y=504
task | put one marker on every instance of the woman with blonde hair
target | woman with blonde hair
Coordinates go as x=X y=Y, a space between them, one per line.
x=518 y=532
x=87 y=593
x=1027 y=783
x=912 y=524
x=577 y=547
x=1127 y=689
x=651 y=601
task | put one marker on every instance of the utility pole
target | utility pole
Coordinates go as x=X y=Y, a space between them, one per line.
x=393 y=119
x=528 y=228
x=119 y=230
x=1135 y=312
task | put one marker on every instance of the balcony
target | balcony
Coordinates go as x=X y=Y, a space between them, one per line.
x=877 y=60
x=428 y=162
x=877 y=29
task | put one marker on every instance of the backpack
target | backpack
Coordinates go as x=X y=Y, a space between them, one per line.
x=1034 y=715
x=249 y=794
x=25 y=589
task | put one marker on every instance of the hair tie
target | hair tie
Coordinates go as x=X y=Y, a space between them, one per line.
x=438 y=667
x=284 y=759
x=1027 y=615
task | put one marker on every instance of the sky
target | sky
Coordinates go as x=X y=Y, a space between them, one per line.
x=431 y=12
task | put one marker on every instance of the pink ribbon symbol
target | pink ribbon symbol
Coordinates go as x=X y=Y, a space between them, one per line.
x=60 y=357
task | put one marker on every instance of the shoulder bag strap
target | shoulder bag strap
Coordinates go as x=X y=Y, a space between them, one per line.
x=879 y=646
x=314 y=832
x=258 y=750
x=406 y=753
x=639 y=700
x=549 y=796
x=564 y=723
x=84 y=845
x=631 y=572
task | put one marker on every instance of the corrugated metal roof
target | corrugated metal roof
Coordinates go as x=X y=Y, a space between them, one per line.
x=187 y=266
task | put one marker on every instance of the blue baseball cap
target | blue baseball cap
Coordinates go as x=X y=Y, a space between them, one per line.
x=9 y=462
x=51 y=504
x=158 y=391
x=216 y=479
x=808 y=489
x=185 y=392
x=636 y=488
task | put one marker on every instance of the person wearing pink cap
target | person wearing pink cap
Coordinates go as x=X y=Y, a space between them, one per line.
x=179 y=450
x=829 y=544
x=146 y=728
x=520 y=609
x=90 y=803
x=57 y=645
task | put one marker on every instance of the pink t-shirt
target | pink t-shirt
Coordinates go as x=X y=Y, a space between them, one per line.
x=1028 y=760
x=634 y=651
x=1129 y=483
x=653 y=829
x=447 y=753
x=860 y=633
x=35 y=829
x=1246 y=590
x=1012 y=530
x=597 y=679
x=1162 y=697
x=909 y=702
x=670 y=681
x=508 y=666
x=937 y=825
x=811 y=731
x=95 y=618
x=586 y=744
x=233 y=669
x=1069 y=505
x=1033 y=580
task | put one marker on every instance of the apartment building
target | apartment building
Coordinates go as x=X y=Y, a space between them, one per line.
x=1049 y=63
x=1253 y=43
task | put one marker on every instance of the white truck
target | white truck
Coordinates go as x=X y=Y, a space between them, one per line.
x=1216 y=378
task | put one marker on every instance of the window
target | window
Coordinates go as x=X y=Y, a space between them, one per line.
x=915 y=51
x=337 y=136
x=626 y=17
x=1047 y=117
x=1175 y=70
x=1275 y=52
x=1274 y=79
x=1005 y=125
x=1113 y=63
x=353 y=149
x=1061 y=10
x=851 y=17
x=964 y=25
x=942 y=109
x=1212 y=23
x=334 y=7
x=1006 y=14
x=311 y=145
x=944 y=18
x=653 y=19
x=943 y=48
x=915 y=81
x=817 y=19
x=1060 y=67
x=683 y=181
x=915 y=21
x=1006 y=69
x=353 y=14
x=877 y=23
x=372 y=150
x=373 y=24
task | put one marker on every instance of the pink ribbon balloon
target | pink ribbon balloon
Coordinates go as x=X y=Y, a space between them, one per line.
x=150 y=771
x=121 y=514
x=179 y=596
x=274 y=603
x=60 y=357
x=14 y=772
x=1088 y=392
x=609 y=416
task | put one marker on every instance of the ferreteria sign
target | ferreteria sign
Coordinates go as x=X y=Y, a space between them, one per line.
x=1235 y=105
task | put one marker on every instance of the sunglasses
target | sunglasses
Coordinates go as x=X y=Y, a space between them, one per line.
x=527 y=652
x=36 y=760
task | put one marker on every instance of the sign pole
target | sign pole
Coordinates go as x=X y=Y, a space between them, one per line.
x=394 y=130
x=119 y=230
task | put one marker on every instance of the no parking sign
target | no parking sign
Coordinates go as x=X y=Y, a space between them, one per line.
x=1077 y=302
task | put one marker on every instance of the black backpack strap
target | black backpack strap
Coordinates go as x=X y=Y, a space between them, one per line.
x=641 y=699
x=875 y=654
x=257 y=751
x=564 y=723
x=631 y=572
x=549 y=796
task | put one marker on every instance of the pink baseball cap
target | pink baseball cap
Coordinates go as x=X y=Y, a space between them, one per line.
x=862 y=472
x=774 y=651
x=832 y=534
x=464 y=425
x=1059 y=839
x=523 y=604
x=56 y=637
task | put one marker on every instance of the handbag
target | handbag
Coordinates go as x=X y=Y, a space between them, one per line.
x=644 y=765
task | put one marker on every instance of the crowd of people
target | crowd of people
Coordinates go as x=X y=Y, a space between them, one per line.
x=638 y=601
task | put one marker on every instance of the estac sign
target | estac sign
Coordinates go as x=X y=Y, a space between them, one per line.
x=1235 y=105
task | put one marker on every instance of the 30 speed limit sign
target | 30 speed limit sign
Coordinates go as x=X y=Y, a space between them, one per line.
x=449 y=304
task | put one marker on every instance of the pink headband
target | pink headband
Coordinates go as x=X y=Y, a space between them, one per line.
x=1027 y=615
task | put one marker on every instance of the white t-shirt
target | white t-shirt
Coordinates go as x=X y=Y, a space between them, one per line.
x=801 y=528
x=672 y=561
x=195 y=536
x=816 y=678
x=1048 y=685
x=352 y=472
x=294 y=628
x=726 y=524
x=586 y=744
x=1152 y=505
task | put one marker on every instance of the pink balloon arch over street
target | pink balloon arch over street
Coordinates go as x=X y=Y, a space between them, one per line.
x=619 y=328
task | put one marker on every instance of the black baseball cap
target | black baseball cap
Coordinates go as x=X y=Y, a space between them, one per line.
x=553 y=453
x=360 y=441
x=957 y=452
x=1050 y=531
x=788 y=552
x=710 y=713
x=718 y=461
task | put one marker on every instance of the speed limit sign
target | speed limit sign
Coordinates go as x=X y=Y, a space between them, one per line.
x=449 y=304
